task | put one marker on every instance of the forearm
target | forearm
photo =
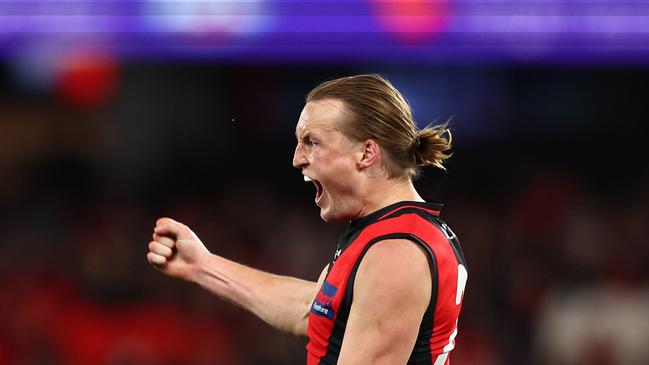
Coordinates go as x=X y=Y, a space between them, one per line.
x=280 y=301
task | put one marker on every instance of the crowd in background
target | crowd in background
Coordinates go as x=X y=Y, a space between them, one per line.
x=548 y=190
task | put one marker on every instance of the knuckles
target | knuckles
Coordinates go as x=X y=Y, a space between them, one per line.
x=151 y=245
x=155 y=259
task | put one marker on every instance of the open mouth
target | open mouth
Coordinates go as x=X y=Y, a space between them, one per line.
x=318 y=186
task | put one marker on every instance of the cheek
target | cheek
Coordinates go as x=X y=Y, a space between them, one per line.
x=341 y=178
x=334 y=166
x=322 y=158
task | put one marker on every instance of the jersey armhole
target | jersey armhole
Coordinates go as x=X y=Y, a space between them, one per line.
x=427 y=319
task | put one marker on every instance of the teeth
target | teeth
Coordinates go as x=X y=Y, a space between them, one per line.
x=307 y=179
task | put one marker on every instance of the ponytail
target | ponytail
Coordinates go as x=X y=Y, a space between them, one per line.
x=431 y=145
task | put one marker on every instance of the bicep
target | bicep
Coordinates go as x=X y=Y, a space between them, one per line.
x=391 y=294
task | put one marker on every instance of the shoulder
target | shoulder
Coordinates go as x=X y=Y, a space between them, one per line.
x=397 y=266
x=392 y=291
x=401 y=254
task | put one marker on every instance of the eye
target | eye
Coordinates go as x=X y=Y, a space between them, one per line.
x=309 y=142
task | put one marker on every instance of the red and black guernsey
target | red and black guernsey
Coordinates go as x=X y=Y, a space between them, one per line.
x=418 y=222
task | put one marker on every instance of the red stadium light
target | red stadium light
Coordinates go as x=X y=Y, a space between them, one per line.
x=87 y=80
x=412 y=21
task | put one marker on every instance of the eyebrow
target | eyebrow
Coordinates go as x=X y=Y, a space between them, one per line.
x=306 y=132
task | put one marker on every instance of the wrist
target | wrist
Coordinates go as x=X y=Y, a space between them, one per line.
x=199 y=266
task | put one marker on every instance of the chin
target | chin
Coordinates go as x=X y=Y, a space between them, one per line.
x=326 y=217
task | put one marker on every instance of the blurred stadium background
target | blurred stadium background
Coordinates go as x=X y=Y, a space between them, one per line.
x=115 y=113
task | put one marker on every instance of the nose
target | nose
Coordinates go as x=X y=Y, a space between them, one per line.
x=299 y=158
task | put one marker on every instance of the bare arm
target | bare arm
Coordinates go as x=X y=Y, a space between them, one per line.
x=391 y=293
x=281 y=301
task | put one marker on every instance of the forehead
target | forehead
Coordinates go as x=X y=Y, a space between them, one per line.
x=321 y=116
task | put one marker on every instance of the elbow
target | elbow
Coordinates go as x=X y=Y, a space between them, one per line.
x=300 y=327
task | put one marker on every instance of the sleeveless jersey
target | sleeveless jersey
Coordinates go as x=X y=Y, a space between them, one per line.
x=418 y=222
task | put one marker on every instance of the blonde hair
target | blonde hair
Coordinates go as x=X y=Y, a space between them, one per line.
x=379 y=112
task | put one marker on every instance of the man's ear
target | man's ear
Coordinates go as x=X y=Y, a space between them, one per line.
x=369 y=155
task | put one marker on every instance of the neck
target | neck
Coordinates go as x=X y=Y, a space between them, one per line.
x=386 y=192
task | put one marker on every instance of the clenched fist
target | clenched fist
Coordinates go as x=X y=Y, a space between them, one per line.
x=175 y=249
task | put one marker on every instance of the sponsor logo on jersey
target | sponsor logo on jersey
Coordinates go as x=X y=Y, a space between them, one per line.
x=323 y=303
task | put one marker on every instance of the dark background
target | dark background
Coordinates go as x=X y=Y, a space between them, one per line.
x=548 y=190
